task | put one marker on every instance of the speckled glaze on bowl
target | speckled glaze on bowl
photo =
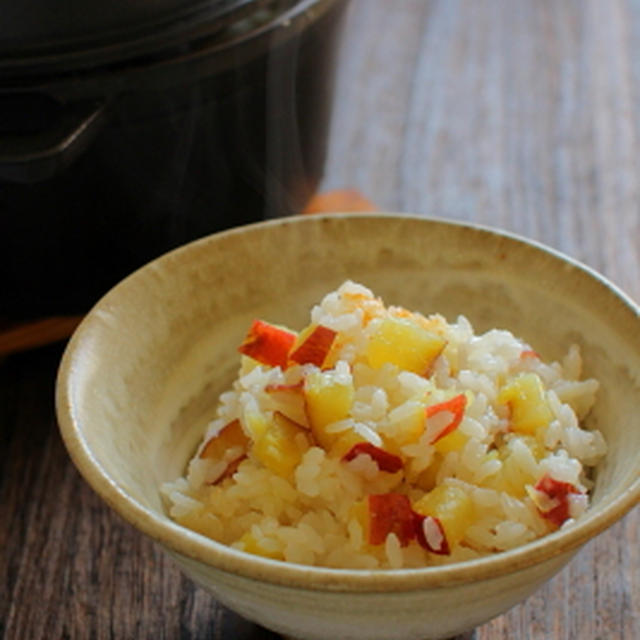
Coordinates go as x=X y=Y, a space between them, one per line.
x=143 y=370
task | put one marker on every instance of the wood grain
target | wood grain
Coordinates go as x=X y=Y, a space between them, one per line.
x=521 y=114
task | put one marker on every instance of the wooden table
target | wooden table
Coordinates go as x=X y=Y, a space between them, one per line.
x=519 y=114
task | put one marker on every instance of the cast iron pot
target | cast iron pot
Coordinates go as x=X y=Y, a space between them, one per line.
x=129 y=131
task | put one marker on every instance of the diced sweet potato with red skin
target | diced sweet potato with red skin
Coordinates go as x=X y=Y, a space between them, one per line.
x=314 y=348
x=452 y=508
x=289 y=400
x=430 y=534
x=386 y=461
x=230 y=470
x=558 y=493
x=230 y=436
x=268 y=344
x=529 y=353
x=390 y=513
x=345 y=441
x=455 y=406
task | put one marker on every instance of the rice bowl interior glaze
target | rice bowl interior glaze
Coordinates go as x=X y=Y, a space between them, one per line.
x=140 y=379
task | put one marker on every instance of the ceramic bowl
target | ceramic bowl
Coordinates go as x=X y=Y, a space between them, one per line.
x=140 y=376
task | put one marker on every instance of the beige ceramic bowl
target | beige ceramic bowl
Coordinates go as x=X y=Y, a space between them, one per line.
x=142 y=372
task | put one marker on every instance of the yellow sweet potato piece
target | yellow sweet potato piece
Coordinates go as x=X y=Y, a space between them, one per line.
x=328 y=398
x=525 y=397
x=265 y=548
x=452 y=507
x=453 y=441
x=404 y=343
x=278 y=447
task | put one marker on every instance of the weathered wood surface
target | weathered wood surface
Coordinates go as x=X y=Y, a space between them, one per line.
x=518 y=114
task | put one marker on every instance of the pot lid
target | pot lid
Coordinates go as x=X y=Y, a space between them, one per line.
x=43 y=34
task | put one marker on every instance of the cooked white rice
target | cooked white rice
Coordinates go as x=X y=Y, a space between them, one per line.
x=313 y=513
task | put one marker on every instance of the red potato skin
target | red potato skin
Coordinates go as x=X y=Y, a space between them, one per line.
x=556 y=490
x=230 y=435
x=386 y=461
x=419 y=519
x=390 y=513
x=230 y=470
x=268 y=344
x=315 y=348
x=456 y=406
x=233 y=430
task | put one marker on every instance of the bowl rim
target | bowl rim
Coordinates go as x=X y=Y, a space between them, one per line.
x=184 y=542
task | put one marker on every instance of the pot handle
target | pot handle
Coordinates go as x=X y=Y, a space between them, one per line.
x=38 y=156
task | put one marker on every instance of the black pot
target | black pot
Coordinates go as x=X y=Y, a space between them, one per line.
x=119 y=143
